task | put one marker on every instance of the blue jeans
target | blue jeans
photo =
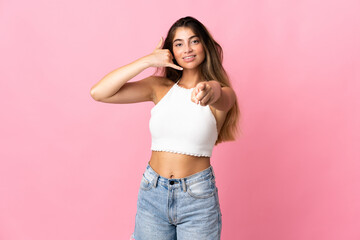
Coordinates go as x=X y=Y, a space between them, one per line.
x=178 y=209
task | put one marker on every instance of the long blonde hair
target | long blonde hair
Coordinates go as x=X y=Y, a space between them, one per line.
x=210 y=69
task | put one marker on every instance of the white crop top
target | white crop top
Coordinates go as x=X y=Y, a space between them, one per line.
x=179 y=125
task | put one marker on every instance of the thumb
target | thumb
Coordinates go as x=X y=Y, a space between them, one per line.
x=160 y=43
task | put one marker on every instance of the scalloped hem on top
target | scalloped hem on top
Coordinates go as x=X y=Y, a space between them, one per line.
x=186 y=153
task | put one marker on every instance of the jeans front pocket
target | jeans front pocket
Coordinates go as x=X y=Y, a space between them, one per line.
x=145 y=183
x=203 y=188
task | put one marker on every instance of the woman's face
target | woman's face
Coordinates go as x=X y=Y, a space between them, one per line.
x=187 y=48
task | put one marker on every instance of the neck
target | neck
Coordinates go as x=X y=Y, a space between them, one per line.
x=190 y=77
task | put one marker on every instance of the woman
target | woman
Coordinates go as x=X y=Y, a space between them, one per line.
x=195 y=109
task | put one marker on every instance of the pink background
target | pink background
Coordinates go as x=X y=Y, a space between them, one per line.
x=70 y=166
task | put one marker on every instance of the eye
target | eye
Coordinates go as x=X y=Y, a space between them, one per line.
x=177 y=45
x=196 y=41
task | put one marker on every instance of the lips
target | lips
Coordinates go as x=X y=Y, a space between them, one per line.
x=189 y=58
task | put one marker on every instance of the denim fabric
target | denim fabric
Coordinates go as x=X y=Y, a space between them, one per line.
x=178 y=209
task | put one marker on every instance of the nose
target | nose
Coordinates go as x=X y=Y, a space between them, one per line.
x=188 y=48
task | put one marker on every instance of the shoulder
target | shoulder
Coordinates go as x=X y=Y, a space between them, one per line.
x=163 y=81
x=160 y=82
x=160 y=87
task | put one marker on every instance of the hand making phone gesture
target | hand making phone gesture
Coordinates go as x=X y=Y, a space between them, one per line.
x=162 y=57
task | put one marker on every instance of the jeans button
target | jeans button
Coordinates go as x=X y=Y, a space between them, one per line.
x=171 y=182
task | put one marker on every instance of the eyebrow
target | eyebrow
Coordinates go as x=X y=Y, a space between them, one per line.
x=181 y=39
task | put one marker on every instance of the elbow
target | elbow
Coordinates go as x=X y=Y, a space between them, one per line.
x=94 y=95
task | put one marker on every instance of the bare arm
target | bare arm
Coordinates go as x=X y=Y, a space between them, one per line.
x=113 y=88
x=226 y=99
x=114 y=80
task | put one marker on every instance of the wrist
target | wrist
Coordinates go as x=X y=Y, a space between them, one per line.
x=216 y=88
x=145 y=61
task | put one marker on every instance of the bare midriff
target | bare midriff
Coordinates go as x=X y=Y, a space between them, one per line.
x=176 y=165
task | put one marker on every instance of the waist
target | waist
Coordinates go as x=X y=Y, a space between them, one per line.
x=174 y=165
x=204 y=174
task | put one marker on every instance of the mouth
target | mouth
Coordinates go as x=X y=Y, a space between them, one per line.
x=189 y=58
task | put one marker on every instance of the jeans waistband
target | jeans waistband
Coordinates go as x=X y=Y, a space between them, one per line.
x=155 y=178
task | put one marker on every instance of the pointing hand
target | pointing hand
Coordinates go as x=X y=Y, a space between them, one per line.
x=206 y=92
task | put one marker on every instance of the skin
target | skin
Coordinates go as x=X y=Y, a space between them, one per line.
x=115 y=88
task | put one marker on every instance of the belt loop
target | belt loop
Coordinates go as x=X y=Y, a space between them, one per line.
x=155 y=180
x=183 y=184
